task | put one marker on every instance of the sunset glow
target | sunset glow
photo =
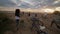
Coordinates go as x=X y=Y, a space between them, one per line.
x=57 y=8
x=48 y=10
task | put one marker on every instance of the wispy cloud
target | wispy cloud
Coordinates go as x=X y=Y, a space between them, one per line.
x=30 y=3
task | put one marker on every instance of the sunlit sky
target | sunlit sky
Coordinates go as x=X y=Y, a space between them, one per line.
x=33 y=4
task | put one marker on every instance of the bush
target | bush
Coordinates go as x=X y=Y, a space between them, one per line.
x=57 y=13
x=4 y=23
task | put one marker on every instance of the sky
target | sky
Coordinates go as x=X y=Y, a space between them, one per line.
x=30 y=3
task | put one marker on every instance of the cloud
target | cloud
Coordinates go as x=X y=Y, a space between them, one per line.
x=55 y=3
x=35 y=3
x=30 y=3
x=6 y=3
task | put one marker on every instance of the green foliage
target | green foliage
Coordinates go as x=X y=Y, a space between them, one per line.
x=4 y=23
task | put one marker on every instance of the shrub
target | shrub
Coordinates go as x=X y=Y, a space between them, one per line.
x=4 y=23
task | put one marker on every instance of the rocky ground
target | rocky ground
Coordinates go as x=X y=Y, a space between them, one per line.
x=25 y=28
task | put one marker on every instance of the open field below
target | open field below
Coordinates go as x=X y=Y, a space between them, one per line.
x=26 y=30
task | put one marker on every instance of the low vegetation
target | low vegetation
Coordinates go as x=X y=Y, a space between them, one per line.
x=5 y=23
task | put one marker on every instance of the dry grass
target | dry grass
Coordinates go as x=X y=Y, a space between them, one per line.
x=46 y=20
